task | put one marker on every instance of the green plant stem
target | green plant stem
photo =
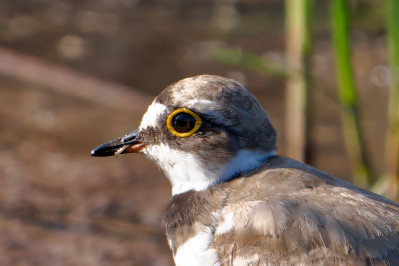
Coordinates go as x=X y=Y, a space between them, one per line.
x=392 y=147
x=298 y=50
x=348 y=97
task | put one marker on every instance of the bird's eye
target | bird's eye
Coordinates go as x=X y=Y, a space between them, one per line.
x=183 y=122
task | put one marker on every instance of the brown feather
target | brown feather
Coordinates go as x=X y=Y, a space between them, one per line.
x=288 y=213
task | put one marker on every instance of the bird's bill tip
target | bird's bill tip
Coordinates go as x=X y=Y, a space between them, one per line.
x=127 y=144
x=106 y=149
x=102 y=151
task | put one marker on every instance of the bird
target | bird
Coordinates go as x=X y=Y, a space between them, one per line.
x=235 y=201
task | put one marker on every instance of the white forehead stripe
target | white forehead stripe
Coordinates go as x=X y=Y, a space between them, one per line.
x=151 y=117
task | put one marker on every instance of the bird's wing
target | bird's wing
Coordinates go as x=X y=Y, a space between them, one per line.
x=291 y=213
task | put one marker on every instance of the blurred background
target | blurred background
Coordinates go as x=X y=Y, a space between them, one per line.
x=75 y=74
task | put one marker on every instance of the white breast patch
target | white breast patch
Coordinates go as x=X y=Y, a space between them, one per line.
x=196 y=251
x=226 y=225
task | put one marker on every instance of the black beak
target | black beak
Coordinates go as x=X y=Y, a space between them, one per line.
x=128 y=143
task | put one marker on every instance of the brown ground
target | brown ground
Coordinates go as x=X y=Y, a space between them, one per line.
x=59 y=206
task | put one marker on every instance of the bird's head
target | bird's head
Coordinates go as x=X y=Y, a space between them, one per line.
x=200 y=131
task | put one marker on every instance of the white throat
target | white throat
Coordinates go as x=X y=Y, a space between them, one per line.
x=186 y=172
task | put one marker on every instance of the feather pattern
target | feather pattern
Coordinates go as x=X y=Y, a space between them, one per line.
x=288 y=213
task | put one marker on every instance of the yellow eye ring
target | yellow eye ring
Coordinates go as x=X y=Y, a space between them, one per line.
x=183 y=122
